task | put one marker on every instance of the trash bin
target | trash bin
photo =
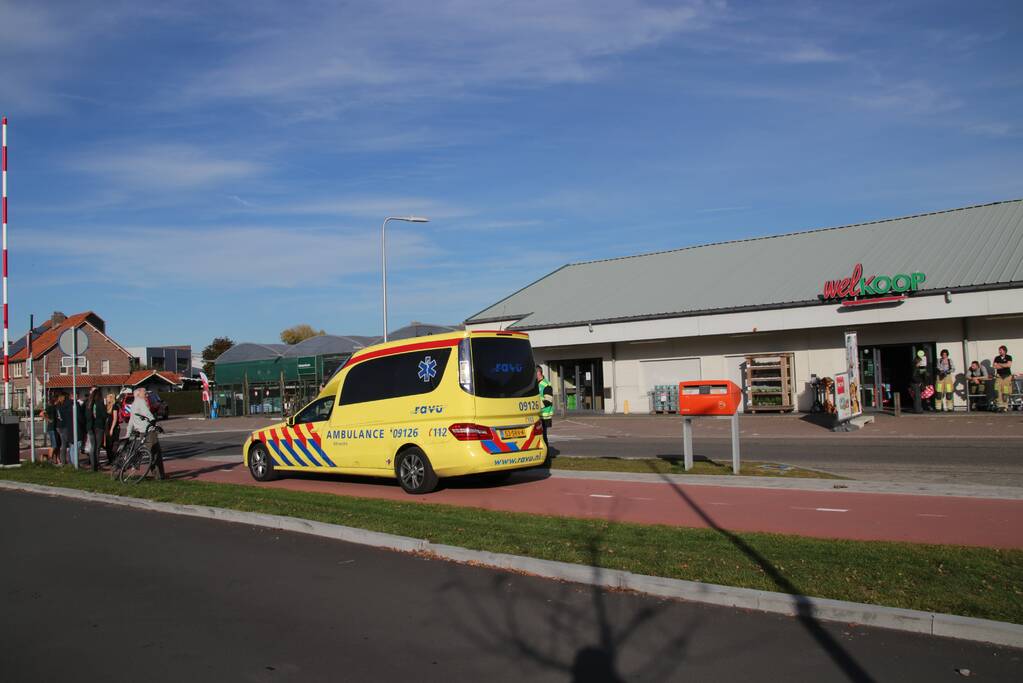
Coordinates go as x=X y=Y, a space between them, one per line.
x=10 y=439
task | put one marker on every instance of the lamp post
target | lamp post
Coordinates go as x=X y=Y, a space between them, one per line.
x=383 y=254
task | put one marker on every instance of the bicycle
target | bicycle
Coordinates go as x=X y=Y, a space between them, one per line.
x=135 y=461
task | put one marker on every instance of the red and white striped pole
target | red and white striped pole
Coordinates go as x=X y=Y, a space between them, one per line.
x=7 y=371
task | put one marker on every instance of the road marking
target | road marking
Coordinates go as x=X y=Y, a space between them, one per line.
x=640 y=498
x=821 y=509
x=600 y=495
x=925 y=514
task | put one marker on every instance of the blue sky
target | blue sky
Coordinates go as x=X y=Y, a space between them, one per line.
x=196 y=169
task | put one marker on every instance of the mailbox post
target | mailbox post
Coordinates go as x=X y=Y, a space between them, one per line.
x=712 y=399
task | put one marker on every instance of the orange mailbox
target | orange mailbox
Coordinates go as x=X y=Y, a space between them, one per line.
x=708 y=397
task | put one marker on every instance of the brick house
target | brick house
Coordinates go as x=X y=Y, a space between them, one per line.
x=108 y=364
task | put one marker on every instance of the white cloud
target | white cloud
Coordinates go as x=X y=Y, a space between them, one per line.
x=235 y=257
x=378 y=207
x=324 y=53
x=810 y=54
x=164 y=166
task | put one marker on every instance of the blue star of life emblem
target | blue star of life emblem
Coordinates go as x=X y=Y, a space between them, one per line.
x=427 y=369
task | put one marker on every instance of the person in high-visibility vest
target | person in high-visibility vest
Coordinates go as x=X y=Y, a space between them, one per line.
x=546 y=402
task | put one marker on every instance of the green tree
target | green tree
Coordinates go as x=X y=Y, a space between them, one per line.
x=212 y=352
x=297 y=333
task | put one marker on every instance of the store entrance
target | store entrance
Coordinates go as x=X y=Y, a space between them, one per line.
x=580 y=384
x=887 y=370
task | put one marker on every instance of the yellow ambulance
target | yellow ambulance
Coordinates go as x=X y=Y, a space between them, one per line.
x=418 y=410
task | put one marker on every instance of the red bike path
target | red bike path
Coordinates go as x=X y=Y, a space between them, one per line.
x=822 y=514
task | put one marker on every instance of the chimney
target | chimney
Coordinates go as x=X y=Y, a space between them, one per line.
x=57 y=318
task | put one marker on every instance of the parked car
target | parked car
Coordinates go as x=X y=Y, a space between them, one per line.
x=160 y=409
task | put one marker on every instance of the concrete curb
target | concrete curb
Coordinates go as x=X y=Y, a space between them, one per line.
x=799 y=606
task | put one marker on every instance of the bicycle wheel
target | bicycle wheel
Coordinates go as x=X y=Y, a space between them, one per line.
x=137 y=468
x=125 y=453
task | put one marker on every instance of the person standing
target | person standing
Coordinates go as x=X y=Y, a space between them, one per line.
x=944 y=384
x=1002 y=364
x=141 y=416
x=49 y=415
x=919 y=380
x=65 y=427
x=976 y=378
x=110 y=407
x=546 y=402
x=95 y=425
x=121 y=415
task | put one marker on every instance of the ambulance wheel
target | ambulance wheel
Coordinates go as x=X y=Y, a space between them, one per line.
x=415 y=474
x=261 y=465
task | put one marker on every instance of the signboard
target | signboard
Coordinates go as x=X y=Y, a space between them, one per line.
x=858 y=286
x=843 y=403
x=67 y=341
x=852 y=367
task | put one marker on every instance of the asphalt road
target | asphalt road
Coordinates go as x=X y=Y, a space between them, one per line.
x=988 y=462
x=92 y=592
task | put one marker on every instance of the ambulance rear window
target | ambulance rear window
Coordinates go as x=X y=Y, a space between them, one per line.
x=503 y=367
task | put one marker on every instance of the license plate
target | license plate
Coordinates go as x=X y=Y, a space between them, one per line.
x=513 y=433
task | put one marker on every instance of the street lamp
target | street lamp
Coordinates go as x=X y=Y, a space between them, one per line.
x=383 y=253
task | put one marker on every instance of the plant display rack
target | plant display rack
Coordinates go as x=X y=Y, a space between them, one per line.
x=769 y=382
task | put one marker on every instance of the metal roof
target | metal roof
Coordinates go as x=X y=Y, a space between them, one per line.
x=323 y=345
x=246 y=351
x=972 y=247
x=418 y=329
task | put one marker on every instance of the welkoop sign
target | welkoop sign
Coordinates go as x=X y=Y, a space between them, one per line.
x=857 y=285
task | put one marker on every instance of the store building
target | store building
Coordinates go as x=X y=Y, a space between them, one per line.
x=611 y=332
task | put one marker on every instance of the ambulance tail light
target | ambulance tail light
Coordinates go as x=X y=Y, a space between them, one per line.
x=467 y=431
x=465 y=365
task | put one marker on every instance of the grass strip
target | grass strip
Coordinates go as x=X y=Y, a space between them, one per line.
x=975 y=582
x=675 y=466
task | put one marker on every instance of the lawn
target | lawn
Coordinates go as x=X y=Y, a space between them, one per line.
x=977 y=582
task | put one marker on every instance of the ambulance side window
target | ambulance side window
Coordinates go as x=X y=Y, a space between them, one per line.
x=403 y=374
x=317 y=411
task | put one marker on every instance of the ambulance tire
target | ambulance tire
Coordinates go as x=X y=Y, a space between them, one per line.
x=261 y=465
x=414 y=471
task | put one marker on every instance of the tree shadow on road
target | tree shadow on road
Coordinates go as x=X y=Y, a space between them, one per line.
x=804 y=612
x=577 y=637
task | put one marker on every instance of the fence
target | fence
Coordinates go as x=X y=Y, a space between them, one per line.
x=183 y=402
